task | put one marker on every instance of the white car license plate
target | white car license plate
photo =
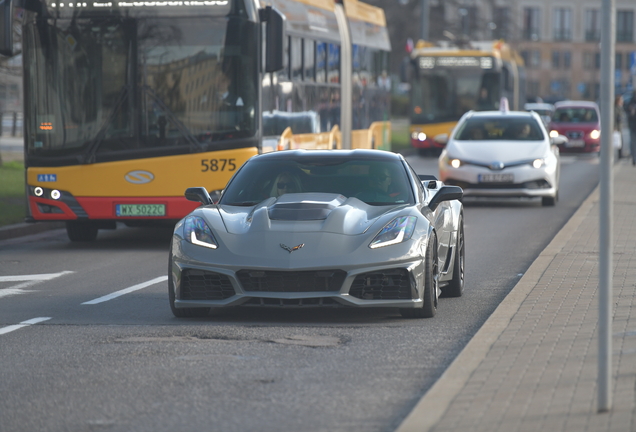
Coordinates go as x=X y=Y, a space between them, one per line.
x=496 y=178
x=140 y=210
x=576 y=143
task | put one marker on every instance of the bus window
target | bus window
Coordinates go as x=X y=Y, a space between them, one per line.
x=321 y=62
x=296 y=58
x=310 y=59
x=333 y=67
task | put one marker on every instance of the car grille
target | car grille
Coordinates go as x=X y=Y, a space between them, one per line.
x=291 y=281
x=575 y=134
x=293 y=303
x=202 y=285
x=535 y=184
x=383 y=285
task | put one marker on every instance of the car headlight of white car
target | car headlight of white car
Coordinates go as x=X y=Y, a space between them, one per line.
x=197 y=232
x=397 y=231
x=538 y=163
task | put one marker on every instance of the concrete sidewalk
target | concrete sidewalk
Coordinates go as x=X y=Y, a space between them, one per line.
x=533 y=364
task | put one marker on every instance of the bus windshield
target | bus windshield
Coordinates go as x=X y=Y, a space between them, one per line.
x=445 y=94
x=98 y=87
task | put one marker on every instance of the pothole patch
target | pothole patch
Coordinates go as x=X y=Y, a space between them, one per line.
x=309 y=341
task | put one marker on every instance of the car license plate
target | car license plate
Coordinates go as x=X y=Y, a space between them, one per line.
x=139 y=210
x=576 y=143
x=496 y=178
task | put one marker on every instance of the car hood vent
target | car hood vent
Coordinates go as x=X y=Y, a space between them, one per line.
x=304 y=207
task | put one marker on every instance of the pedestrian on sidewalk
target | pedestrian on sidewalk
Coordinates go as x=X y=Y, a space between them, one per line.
x=617 y=135
x=630 y=110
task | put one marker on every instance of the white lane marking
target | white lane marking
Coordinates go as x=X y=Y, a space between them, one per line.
x=36 y=277
x=8 y=329
x=127 y=290
x=29 y=280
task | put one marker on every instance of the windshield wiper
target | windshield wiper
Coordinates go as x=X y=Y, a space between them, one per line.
x=89 y=155
x=194 y=143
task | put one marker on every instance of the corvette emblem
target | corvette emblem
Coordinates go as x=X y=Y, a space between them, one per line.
x=291 y=249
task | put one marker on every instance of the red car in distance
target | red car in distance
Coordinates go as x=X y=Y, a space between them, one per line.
x=580 y=122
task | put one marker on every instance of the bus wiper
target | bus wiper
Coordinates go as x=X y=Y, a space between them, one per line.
x=89 y=155
x=194 y=143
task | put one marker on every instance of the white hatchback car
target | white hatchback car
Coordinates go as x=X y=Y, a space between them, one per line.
x=502 y=154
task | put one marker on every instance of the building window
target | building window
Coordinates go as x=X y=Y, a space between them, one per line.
x=556 y=59
x=597 y=60
x=532 y=58
x=592 y=25
x=588 y=60
x=469 y=20
x=624 y=26
x=531 y=27
x=567 y=60
x=501 y=21
x=562 y=24
x=533 y=88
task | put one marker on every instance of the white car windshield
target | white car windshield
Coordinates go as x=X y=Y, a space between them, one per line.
x=500 y=129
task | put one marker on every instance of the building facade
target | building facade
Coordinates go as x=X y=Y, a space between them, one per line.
x=558 y=39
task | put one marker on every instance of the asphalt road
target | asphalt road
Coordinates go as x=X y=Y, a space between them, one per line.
x=91 y=344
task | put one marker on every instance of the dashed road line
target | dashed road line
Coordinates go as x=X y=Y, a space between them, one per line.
x=127 y=290
x=8 y=329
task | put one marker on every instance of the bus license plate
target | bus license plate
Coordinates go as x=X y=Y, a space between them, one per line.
x=139 y=210
x=496 y=178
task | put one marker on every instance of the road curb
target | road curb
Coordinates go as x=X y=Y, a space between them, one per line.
x=24 y=229
x=433 y=405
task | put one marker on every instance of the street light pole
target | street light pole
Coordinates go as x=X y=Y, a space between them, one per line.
x=425 y=19
x=606 y=208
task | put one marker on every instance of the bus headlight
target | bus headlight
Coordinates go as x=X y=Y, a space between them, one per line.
x=38 y=191
x=55 y=194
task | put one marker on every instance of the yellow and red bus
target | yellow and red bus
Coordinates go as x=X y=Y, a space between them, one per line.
x=448 y=80
x=128 y=103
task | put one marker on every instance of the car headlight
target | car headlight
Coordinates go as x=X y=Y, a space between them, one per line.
x=397 y=231
x=538 y=163
x=554 y=134
x=199 y=233
x=595 y=134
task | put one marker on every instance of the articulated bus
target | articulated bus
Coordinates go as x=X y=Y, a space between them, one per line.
x=447 y=81
x=127 y=103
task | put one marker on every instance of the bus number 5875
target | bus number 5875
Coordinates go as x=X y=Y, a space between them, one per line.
x=218 y=165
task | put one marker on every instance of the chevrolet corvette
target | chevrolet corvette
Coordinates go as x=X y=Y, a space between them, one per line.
x=334 y=228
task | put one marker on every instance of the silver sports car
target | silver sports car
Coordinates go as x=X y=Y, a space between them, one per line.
x=320 y=229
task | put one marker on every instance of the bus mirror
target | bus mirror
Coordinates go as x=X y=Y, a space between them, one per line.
x=274 y=34
x=6 y=28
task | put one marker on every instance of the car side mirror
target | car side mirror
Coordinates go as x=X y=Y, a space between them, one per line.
x=559 y=140
x=199 y=194
x=446 y=193
x=441 y=139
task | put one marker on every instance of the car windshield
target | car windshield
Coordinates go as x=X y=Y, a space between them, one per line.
x=499 y=129
x=376 y=182
x=575 y=115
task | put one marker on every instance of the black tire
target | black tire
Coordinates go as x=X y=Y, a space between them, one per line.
x=181 y=312
x=456 y=286
x=431 y=277
x=81 y=231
